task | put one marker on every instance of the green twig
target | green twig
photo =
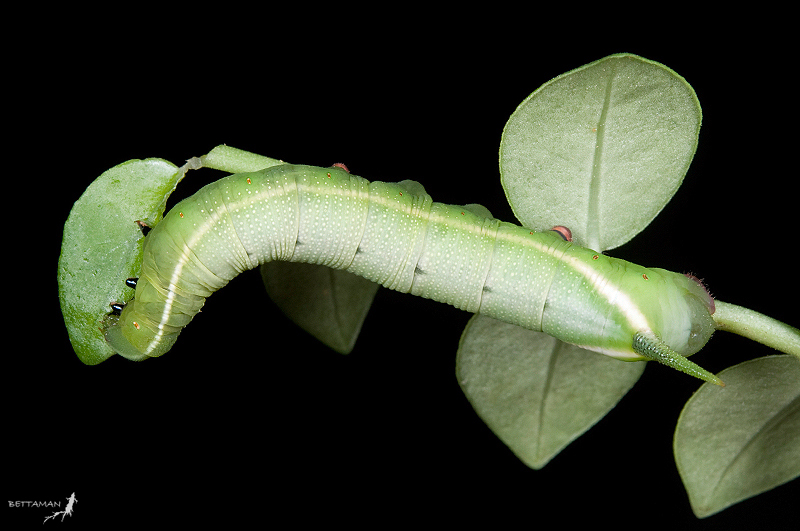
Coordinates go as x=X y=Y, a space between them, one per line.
x=758 y=327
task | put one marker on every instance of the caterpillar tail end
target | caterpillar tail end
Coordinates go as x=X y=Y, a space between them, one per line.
x=655 y=349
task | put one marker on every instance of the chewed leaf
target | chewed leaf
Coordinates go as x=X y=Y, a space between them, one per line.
x=534 y=392
x=600 y=149
x=94 y=263
x=734 y=443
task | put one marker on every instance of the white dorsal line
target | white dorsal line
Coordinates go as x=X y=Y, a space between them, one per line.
x=609 y=291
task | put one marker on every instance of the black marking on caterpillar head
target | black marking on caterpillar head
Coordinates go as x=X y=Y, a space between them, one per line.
x=131 y=282
x=116 y=307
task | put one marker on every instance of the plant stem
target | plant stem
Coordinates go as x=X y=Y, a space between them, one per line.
x=757 y=326
x=233 y=160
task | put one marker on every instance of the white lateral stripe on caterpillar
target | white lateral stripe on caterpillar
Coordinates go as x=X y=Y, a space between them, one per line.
x=615 y=297
x=176 y=275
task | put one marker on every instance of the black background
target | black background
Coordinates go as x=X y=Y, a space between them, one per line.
x=248 y=420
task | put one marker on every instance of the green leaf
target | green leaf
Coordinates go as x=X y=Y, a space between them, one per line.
x=536 y=393
x=102 y=246
x=329 y=304
x=600 y=149
x=741 y=440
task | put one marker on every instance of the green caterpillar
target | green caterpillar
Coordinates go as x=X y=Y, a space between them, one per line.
x=395 y=235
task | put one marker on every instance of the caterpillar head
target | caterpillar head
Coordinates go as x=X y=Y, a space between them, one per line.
x=135 y=336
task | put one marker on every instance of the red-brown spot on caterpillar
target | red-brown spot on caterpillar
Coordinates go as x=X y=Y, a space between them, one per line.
x=564 y=232
x=340 y=165
x=180 y=214
x=248 y=181
x=135 y=324
x=595 y=257
x=644 y=276
x=329 y=175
